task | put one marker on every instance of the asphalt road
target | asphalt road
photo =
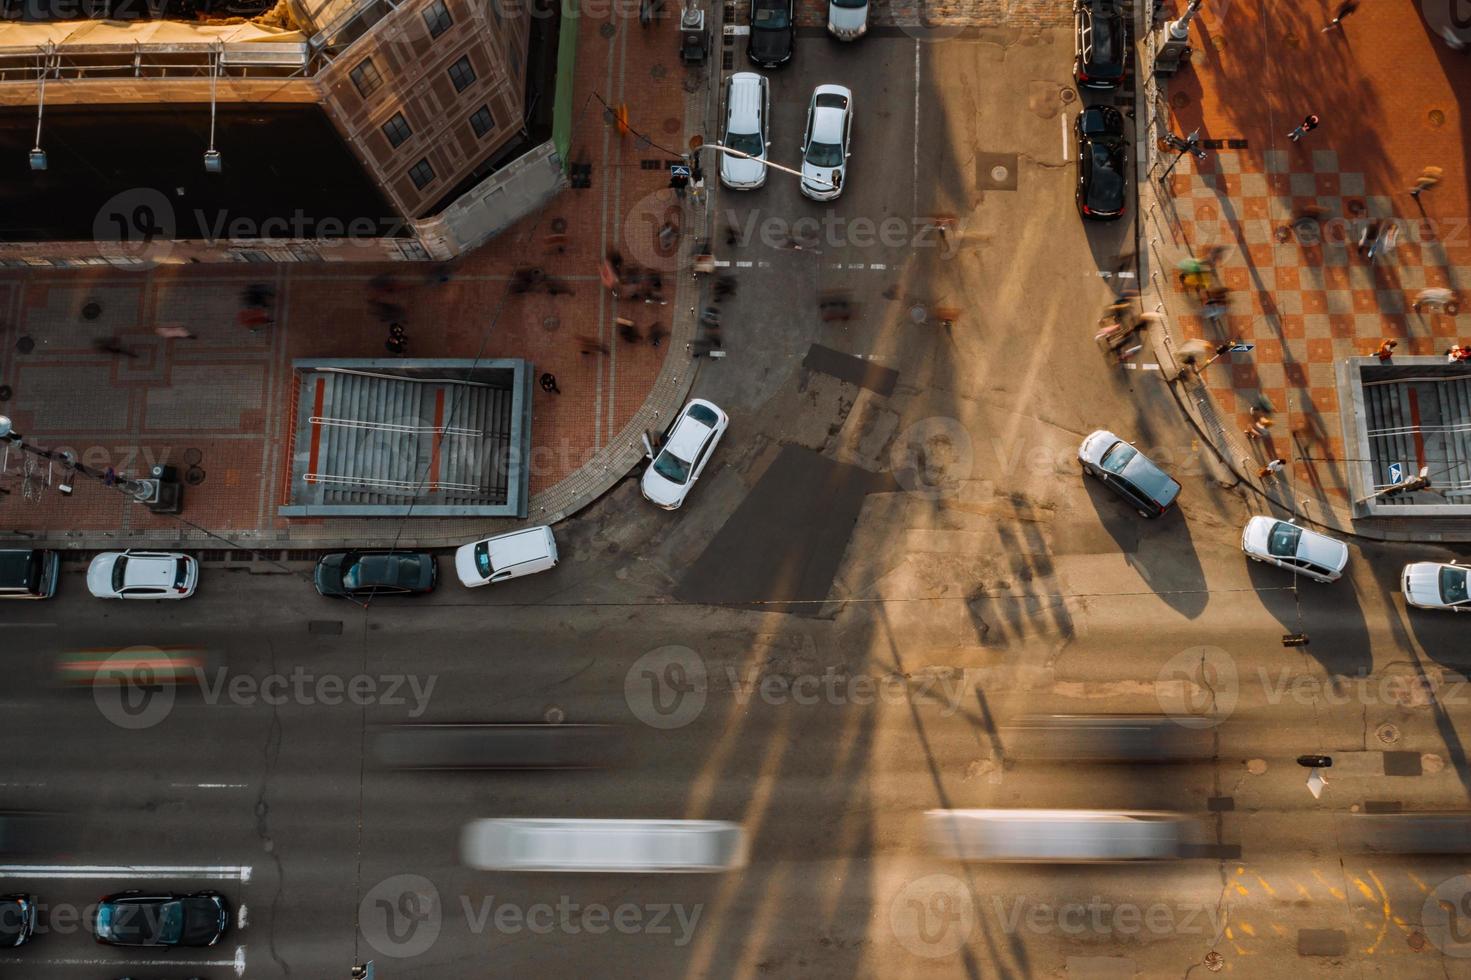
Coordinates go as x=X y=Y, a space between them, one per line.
x=863 y=600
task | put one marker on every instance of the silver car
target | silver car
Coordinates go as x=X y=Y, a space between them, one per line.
x=827 y=142
x=847 y=20
x=1436 y=585
x=747 y=113
x=632 y=846
x=1128 y=472
x=1284 y=544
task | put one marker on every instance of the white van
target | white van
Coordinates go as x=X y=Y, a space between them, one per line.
x=1061 y=836
x=747 y=111
x=633 y=846
x=506 y=556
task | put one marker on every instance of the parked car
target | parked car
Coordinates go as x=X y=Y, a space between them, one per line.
x=17 y=919
x=138 y=918
x=1436 y=585
x=374 y=573
x=1056 y=836
x=1103 y=163
x=1128 y=472
x=827 y=142
x=1286 y=545
x=29 y=573
x=847 y=20
x=634 y=846
x=747 y=115
x=506 y=556
x=686 y=449
x=773 y=32
x=1100 y=43
x=142 y=575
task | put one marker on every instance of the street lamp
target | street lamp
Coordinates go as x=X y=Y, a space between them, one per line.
x=1174 y=50
x=160 y=493
x=698 y=143
x=1190 y=144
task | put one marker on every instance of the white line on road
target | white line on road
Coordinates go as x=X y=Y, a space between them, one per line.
x=1142 y=367
x=237 y=964
x=722 y=263
x=209 y=785
x=39 y=626
x=225 y=872
x=914 y=183
x=1062 y=118
x=743 y=264
x=242 y=917
x=878 y=265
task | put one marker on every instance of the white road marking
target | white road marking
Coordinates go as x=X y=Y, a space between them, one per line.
x=237 y=964
x=914 y=183
x=878 y=265
x=1062 y=118
x=227 y=872
x=239 y=961
x=242 y=918
x=722 y=263
x=743 y=264
x=209 y=785
x=1141 y=367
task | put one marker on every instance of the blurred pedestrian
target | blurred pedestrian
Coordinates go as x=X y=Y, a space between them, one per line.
x=1309 y=123
x=396 y=346
x=1428 y=178
x=668 y=235
x=656 y=335
x=1369 y=239
x=1273 y=466
x=549 y=384
x=1458 y=354
x=1344 y=9
x=1437 y=298
x=1386 y=350
x=112 y=345
x=628 y=331
x=174 y=333
x=1261 y=425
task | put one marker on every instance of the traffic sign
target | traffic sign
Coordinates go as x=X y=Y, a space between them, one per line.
x=1396 y=472
x=1242 y=348
x=678 y=170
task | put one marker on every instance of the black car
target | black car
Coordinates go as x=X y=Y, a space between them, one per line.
x=373 y=573
x=137 y=918
x=17 y=919
x=1100 y=41
x=1103 y=160
x=773 y=32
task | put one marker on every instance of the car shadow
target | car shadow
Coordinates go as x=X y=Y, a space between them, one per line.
x=1160 y=549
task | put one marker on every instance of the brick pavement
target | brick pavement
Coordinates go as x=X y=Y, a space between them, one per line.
x=1308 y=299
x=225 y=394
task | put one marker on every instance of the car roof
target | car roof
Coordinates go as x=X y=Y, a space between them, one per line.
x=149 y=570
x=518 y=546
x=1320 y=549
x=688 y=435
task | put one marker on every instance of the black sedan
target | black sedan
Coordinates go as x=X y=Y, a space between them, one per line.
x=1100 y=41
x=373 y=573
x=137 y=918
x=17 y=919
x=773 y=32
x=1103 y=159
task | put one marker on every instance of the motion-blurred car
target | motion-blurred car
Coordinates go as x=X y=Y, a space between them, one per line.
x=847 y=20
x=1284 y=544
x=139 y=665
x=1100 y=43
x=1056 y=836
x=142 y=575
x=17 y=919
x=1106 y=738
x=773 y=32
x=506 y=556
x=827 y=142
x=364 y=574
x=1436 y=585
x=476 y=746
x=138 y=918
x=632 y=846
x=1103 y=161
x=1128 y=472
x=681 y=459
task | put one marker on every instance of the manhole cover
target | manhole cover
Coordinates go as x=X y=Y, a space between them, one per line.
x=672 y=125
x=1179 y=100
x=1068 y=96
x=91 y=311
x=192 y=457
x=5 y=393
x=25 y=345
x=194 y=476
x=551 y=323
x=658 y=71
x=1256 y=766
x=1436 y=117
x=918 y=314
x=999 y=174
x=693 y=81
x=1214 y=961
x=1416 y=940
x=554 y=715
x=559 y=225
x=1388 y=734
x=608 y=30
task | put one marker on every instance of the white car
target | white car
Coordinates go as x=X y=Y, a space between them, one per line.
x=826 y=142
x=506 y=556
x=1297 y=549
x=847 y=20
x=1436 y=585
x=747 y=112
x=632 y=846
x=687 y=448
x=142 y=575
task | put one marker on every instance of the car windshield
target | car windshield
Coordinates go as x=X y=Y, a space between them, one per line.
x=181 y=572
x=119 y=573
x=824 y=154
x=770 y=17
x=171 y=922
x=850 y=4
x=1106 y=184
x=745 y=143
x=365 y=572
x=1102 y=37
x=1452 y=585
x=482 y=558
x=1118 y=457
x=703 y=414
x=672 y=468
x=1282 y=542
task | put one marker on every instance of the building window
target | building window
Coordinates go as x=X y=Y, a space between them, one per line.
x=421 y=174
x=397 y=130
x=365 y=76
x=437 y=18
x=462 y=74
x=482 y=121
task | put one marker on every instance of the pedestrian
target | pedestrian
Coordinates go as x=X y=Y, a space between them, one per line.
x=1438 y=298
x=1261 y=426
x=1273 y=466
x=396 y=345
x=1428 y=178
x=1386 y=350
x=174 y=333
x=628 y=331
x=591 y=345
x=1309 y=123
x=1457 y=354
x=656 y=335
x=112 y=345
x=549 y=384
x=731 y=235
x=1344 y=9
x=668 y=234
x=1369 y=239
x=678 y=183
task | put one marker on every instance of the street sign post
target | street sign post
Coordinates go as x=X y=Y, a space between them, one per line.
x=678 y=170
x=1396 y=472
x=1242 y=348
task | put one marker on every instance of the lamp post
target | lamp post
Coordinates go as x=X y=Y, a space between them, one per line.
x=1190 y=144
x=1174 y=49
x=161 y=493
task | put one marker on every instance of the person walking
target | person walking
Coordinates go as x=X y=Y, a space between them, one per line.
x=1344 y=9
x=1428 y=178
x=1261 y=425
x=112 y=345
x=1437 y=298
x=1369 y=239
x=1386 y=350
x=1273 y=466
x=1309 y=123
x=549 y=384
x=172 y=332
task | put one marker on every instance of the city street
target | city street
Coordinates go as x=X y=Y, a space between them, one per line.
x=890 y=569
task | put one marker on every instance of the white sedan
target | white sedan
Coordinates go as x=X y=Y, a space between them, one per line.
x=506 y=556
x=1297 y=549
x=686 y=450
x=826 y=143
x=142 y=575
x=1436 y=585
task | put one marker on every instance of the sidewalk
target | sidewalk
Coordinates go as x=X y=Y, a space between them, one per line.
x=221 y=399
x=1305 y=304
